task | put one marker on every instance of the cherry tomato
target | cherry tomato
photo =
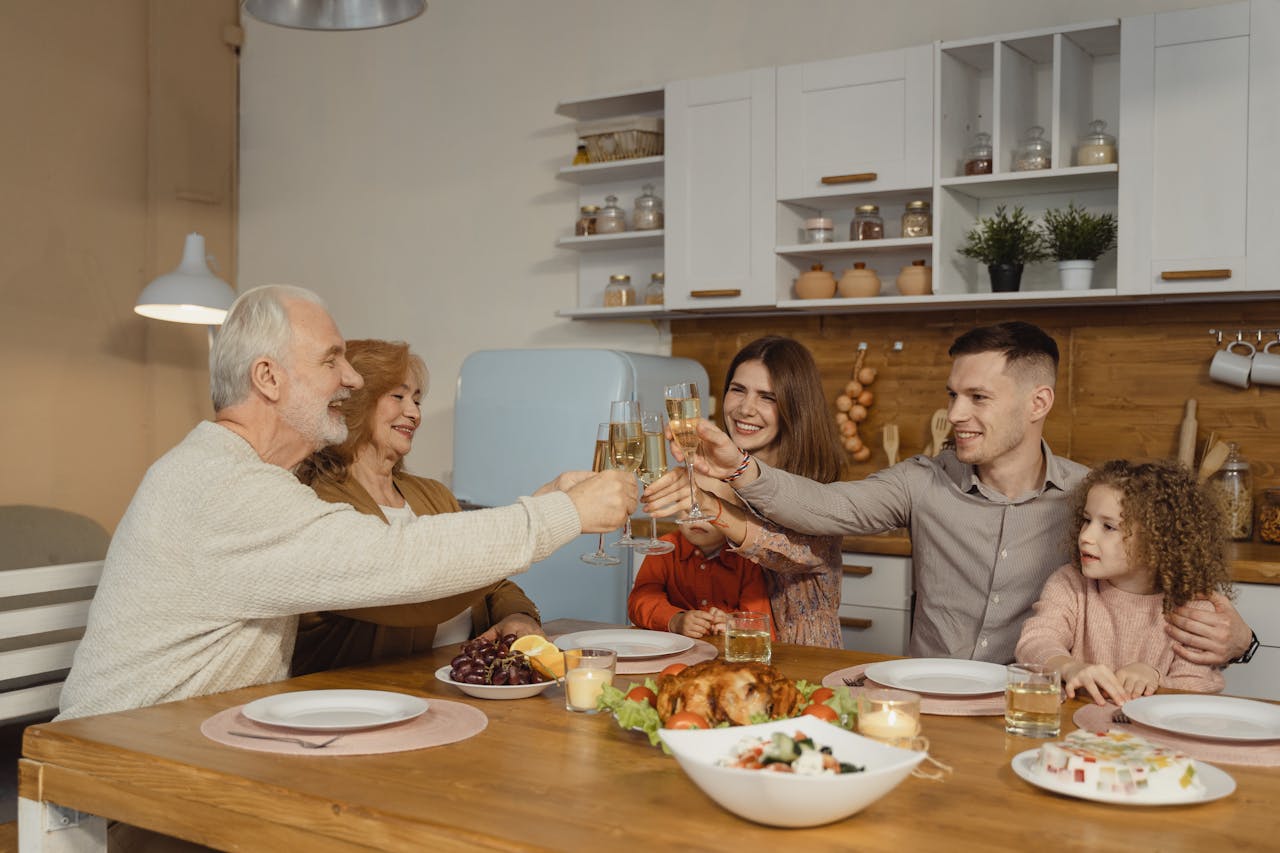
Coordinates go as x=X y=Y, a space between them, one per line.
x=640 y=693
x=823 y=712
x=686 y=720
x=675 y=669
x=822 y=694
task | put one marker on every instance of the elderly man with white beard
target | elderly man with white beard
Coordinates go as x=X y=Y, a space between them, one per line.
x=221 y=547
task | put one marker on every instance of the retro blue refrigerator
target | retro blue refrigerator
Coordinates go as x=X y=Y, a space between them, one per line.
x=522 y=416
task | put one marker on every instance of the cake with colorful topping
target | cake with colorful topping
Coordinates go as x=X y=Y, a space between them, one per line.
x=1120 y=764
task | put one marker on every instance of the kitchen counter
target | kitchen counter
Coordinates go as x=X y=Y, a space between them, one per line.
x=1251 y=562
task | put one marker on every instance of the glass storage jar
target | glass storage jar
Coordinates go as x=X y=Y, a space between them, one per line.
x=611 y=219
x=619 y=292
x=917 y=220
x=586 y=225
x=1234 y=486
x=655 y=292
x=1033 y=151
x=1269 y=516
x=867 y=224
x=819 y=229
x=648 y=213
x=977 y=160
x=1098 y=147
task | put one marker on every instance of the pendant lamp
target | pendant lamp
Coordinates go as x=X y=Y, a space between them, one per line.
x=189 y=294
x=334 y=14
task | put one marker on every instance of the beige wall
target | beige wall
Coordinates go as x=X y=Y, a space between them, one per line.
x=407 y=174
x=112 y=111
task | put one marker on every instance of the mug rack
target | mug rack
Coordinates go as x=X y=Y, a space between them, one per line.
x=1240 y=333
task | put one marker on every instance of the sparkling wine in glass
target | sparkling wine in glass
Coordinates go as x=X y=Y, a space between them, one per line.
x=652 y=467
x=626 y=450
x=684 y=409
x=600 y=462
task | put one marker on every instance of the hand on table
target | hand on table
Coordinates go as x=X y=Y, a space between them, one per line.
x=1138 y=679
x=520 y=624
x=604 y=500
x=1214 y=637
x=1097 y=679
x=698 y=623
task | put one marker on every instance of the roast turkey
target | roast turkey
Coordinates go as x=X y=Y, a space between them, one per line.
x=728 y=692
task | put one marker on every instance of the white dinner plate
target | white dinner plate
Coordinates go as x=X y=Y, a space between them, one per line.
x=1216 y=717
x=492 y=691
x=331 y=710
x=629 y=643
x=939 y=676
x=1217 y=784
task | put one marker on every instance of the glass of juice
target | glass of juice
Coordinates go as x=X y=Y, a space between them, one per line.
x=746 y=637
x=1032 y=700
x=586 y=672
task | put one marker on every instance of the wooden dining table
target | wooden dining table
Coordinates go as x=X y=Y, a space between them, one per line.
x=542 y=778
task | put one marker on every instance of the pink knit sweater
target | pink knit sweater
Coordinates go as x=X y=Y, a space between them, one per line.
x=1092 y=621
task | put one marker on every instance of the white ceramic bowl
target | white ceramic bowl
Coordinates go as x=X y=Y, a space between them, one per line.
x=493 y=691
x=784 y=799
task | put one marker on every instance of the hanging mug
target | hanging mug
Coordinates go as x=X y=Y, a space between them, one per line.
x=1233 y=367
x=1266 y=365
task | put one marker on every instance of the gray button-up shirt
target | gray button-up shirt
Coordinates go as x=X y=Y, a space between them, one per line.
x=979 y=559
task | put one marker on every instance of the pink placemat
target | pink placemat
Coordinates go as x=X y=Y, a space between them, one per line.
x=444 y=722
x=964 y=706
x=1097 y=718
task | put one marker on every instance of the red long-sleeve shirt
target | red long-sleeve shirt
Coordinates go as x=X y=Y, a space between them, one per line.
x=684 y=579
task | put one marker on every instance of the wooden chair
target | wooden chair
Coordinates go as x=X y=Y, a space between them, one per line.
x=43 y=611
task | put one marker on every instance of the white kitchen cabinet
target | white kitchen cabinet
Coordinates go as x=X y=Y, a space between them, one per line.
x=720 y=191
x=1200 y=186
x=1260 y=677
x=875 y=603
x=862 y=124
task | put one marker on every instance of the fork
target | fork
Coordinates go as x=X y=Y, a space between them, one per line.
x=306 y=744
x=855 y=682
x=1120 y=717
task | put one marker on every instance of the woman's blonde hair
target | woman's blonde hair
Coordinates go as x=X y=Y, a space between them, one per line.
x=384 y=366
x=1171 y=523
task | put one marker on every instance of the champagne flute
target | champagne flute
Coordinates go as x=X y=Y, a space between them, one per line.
x=626 y=450
x=684 y=408
x=653 y=466
x=600 y=462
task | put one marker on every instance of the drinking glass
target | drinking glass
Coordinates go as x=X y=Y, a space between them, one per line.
x=684 y=408
x=746 y=637
x=626 y=450
x=652 y=467
x=1032 y=700
x=600 y=462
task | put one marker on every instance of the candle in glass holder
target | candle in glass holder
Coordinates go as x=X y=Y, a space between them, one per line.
x=587 y=671
x=891 y=716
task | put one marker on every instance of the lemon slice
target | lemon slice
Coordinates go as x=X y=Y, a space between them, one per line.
x=542 y=654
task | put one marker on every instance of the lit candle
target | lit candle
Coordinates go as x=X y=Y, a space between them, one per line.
x=889 y=724
x=584 y=686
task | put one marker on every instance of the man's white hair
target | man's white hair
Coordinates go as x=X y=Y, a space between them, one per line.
x=256 y=326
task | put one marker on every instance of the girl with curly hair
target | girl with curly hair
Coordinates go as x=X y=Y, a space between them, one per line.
x=1149 y=539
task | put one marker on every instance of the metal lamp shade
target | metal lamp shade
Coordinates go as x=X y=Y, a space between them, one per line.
x=189 y=294
x=334 y=14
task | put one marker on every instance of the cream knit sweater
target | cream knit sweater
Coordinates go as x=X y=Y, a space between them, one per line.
x=219 y=552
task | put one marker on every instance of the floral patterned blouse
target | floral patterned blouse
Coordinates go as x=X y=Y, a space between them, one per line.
x=803 y=574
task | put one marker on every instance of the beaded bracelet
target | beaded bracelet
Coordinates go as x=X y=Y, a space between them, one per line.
x=740 y=470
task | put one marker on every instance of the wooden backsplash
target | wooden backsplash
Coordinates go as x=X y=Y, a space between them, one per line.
x=1125 y=375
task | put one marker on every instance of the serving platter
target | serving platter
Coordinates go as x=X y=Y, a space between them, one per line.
x=334 y=710
x=939 y=676
x=1217 y=784
x=492 y=691
x=629 y=643
x=1214 y=717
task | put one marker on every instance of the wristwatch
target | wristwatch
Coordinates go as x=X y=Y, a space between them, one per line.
x=1248 y=653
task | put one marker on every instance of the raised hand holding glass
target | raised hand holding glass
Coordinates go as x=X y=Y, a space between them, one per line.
x=653 y=466
x=600 y=461
x=626 y=449
x=684 y=410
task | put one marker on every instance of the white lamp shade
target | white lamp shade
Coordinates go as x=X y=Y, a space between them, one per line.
x=334 y=14
x=189 y=294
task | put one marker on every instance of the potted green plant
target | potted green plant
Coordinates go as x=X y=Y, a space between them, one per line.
x=1005 y=242
x=1076 y=238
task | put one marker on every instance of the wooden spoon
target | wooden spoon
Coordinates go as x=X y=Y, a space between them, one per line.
x=890 y=436
x=1213 y=459
x=940 y=427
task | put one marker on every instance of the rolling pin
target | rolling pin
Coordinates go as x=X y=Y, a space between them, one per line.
x=1187 y=436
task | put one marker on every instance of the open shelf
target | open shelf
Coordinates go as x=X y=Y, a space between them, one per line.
x=854 y=247
x=1070 y=179
x=614 y=170
x=629 y=102
x=623 y=240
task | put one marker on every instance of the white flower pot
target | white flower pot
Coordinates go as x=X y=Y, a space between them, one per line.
x=1076 y=275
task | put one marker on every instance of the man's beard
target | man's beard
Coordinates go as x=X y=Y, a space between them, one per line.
x=314 y=421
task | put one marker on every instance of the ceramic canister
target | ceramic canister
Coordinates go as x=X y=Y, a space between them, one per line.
x=859 y=282
x=817 y=283
x=915 y=280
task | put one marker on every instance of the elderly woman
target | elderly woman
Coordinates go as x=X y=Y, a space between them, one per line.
x=367 y=471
